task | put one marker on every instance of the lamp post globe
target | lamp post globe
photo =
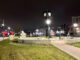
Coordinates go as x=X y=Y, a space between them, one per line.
x=49 y=14
x=45 y=14
x=48 y=21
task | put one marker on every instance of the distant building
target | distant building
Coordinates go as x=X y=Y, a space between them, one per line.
x=76 y=19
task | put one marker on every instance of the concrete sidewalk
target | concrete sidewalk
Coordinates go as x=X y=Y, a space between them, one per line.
x=73 y=51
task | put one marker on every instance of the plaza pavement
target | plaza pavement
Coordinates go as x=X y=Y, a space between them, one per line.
x=73 y=51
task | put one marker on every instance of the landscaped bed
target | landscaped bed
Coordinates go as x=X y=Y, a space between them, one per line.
x=76 y=44
x=31 y=52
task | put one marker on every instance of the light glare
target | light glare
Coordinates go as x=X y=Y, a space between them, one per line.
x=45 y=14
x=48 y=21
x=49 y=14
x=75 y=25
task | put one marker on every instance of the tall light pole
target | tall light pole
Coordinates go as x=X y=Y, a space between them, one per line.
x=48 y=21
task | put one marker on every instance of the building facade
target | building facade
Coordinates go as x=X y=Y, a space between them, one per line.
x=76 y=19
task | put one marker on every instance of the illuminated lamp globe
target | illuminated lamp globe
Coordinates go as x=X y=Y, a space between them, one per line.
x=49 y=13
x=45 y=14
x=48 y=21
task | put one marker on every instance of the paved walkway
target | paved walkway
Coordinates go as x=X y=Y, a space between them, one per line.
x=74 y=51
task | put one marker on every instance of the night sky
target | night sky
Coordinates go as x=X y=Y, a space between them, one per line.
x=29 y=14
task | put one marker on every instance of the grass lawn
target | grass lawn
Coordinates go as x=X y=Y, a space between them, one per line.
x=75 y=44
x=31 y=52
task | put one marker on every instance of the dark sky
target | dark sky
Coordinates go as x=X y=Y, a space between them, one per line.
x=29 y=14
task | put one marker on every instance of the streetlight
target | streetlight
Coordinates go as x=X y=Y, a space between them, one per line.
x=48 y=22
x=47 y=14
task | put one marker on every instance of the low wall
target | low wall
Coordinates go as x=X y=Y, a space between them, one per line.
x=35 y=41
x=33 y=38
x=38 y=40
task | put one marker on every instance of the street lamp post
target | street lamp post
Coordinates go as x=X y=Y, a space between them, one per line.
x=48 y=21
